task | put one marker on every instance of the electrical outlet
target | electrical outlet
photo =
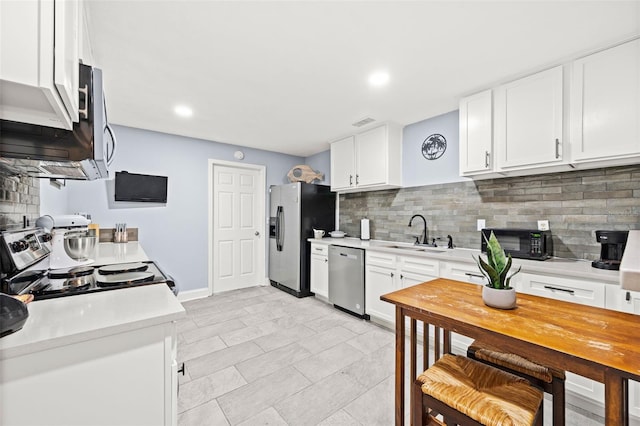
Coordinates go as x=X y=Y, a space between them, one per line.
x=481 y=224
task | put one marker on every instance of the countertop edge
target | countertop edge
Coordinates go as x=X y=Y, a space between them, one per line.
x=554 y=266
x=24 y=345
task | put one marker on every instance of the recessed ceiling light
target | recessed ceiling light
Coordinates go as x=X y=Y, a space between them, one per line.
x=379 y=78
x=183 y=111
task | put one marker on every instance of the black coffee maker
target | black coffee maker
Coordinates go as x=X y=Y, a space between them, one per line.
x=613 y=244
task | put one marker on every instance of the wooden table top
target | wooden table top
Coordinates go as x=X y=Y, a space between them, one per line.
x=567 y=336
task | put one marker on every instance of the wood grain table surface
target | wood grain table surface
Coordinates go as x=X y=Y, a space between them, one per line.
x=601 y=344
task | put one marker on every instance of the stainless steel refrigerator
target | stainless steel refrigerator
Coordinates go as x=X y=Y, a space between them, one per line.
x=295 y=210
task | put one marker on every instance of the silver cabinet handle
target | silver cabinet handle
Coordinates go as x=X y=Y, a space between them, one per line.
x=357 y=180
x=469 y=274
x=257 y=234
x=326 y=260
x=350 y=180
x=318 y=249
x=557 y=148
x=566 y=290
x=391 y=274
x=85 y=111
x=486 y=159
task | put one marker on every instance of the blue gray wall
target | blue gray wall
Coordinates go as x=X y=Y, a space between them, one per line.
x=175 y=235
x=416 y=169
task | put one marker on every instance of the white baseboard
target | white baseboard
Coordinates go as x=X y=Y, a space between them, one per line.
x=198 y=293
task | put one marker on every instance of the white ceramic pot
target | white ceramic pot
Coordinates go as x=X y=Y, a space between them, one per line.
x=501 y=299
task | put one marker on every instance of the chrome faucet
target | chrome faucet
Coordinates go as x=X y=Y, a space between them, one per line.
x=424 y=232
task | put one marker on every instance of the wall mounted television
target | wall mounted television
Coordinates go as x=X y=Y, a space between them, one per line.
x=140 y=188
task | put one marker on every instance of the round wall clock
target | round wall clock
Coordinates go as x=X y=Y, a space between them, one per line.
x=434 y=146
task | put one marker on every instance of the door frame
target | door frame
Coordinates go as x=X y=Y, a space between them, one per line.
x=261 y=202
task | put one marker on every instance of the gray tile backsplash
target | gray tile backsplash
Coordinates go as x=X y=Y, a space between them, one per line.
x=575 y=203
x=19 y=196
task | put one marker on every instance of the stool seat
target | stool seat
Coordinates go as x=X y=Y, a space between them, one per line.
x=485 y=394
x=552 y=381
x=514 y=362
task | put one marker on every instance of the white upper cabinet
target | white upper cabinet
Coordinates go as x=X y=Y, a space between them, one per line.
x=605 y=99
x=39 y=62
x=476 y=134
x=368 y=160
x=528 y=121
x=343 y=163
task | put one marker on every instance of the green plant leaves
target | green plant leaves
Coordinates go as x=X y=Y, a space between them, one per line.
x=497 y=266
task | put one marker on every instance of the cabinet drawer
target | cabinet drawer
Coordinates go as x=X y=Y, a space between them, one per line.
x=583 y=292
x=381 y=259
x=320 y=249
x=420 y=265
x=467 y=272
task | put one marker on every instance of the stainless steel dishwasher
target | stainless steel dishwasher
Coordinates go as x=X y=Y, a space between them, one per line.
x=346 y=279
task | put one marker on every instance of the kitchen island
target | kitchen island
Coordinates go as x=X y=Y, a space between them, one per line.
x=100 y=358
x=597 y=343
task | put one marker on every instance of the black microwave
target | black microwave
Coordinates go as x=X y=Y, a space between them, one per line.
x=521 y=243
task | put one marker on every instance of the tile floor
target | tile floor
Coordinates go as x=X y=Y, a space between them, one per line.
x=259 y=356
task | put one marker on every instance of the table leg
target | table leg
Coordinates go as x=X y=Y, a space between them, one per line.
x=399 y=366
x=425 y=346
x=446 y=342
x=436 y=343
x=616 y=399
x=414 y=349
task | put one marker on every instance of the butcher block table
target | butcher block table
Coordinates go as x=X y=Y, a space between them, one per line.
x=596 y=343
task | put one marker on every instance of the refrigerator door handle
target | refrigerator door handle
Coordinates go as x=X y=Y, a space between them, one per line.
x=279 y=228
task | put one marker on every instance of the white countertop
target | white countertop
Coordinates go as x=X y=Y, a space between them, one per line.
x=66 y=320
x=573 y=268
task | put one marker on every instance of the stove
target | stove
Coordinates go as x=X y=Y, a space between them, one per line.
x=25 y=270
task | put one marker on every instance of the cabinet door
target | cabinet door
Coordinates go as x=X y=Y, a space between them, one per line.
x=343 y=164
x=66 y=52
x=605 y=103
x=528 y=118
x=371 y=157
x=476 y=133
x=319 y=275
x=380 y=281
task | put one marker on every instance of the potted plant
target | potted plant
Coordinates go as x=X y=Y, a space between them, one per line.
x=497 y=293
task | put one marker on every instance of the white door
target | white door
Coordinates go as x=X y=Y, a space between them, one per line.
x=238 y=244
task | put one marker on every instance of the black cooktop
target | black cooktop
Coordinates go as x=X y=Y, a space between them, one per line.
x=47 y=284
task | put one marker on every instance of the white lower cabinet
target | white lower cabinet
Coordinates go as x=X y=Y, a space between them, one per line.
x=580 y=291
x=385 y=273
x=125 y=378
x=319 y=280
x=626 y=301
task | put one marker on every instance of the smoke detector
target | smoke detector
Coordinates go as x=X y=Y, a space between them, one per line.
x=363 y=122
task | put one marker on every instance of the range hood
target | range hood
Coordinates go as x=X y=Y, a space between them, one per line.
x=83 y=153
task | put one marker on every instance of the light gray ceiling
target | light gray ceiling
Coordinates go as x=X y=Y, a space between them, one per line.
x=290 y=76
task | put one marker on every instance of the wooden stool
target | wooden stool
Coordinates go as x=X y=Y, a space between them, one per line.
x=549 y=380
x=468 y=392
